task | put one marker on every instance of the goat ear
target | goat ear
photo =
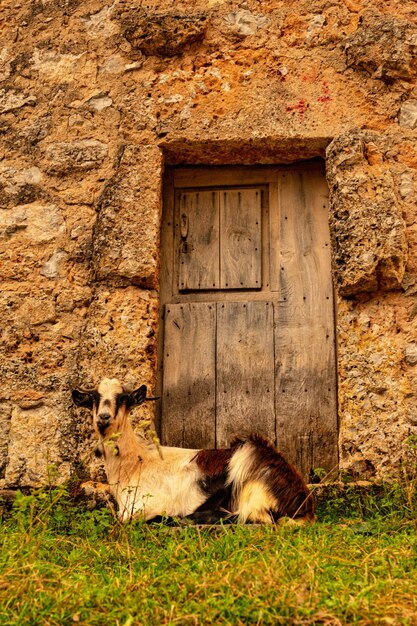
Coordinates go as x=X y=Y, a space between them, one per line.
x=83 y=398
x=136 y=397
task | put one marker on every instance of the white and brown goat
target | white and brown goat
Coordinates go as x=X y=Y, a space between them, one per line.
x=248 y=482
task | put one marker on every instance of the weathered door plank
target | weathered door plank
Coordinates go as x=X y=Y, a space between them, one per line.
x=240 y=239
x=189 y=377
x=305 y=397
x=304 y=327
x=245 y=370
x=274 y=236
x=198 y=240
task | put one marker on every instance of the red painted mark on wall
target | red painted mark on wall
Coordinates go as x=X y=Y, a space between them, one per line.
x=325 y=96
x=310 y=78
x=301 y=107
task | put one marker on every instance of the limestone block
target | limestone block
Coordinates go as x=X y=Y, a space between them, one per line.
x=127 y=232
x=119 y=339
x=384 y=46
x=243 y=23
x=65 y=157
x=99 y=24
x=36 y=310
x=59 y=67
x=99 y=102
x=39 y=339
x=11 y=100
x=316 y=24
x=5 y=58
x=34 y=456
x=113 y=65
x=163 y=34
x=19 y=186
x=408 y=114
x=31 y=234
x=406 y=184
x=51 y=269
x=411 y=354
x=368 y=232
x=37 y=130
x=37 y=222
x=376 y=393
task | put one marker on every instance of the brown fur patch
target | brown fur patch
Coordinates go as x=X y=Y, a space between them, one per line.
x=213 y=462
x=213 y=465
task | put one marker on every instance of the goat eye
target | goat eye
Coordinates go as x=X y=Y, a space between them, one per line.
x=120 y=400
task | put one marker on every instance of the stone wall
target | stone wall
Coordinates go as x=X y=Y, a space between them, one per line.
x=96 y=97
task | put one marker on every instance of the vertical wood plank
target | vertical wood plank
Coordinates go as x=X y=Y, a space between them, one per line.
x=304 y=321
x=245 y=370
x=265 y=242
x=240 y=239
x=305 y=396
x=197 y=228
x=189 y=375
x=274 y=235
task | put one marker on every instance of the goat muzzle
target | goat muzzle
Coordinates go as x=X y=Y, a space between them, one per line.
x=103 y=422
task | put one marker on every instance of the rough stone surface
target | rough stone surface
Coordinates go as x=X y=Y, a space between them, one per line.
x=12 y=100
x=243 y=23
x=96 y=97
x=376 y=394
x=36 y=222
x=384 y=46
x=120 y=232
x=30 y=463
x=19 y=186
x=51 y=268
x=163 y=34
x=65 y=157
x=408 y=114
x=119 y=337
x=406 y=185
x=411 y=354
x=368 y=231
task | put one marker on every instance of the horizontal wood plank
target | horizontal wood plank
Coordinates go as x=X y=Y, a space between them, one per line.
x=197 y=176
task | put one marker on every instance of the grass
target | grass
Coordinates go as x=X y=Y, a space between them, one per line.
x=61 y=564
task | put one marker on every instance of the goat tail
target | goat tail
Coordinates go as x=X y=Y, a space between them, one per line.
x=264 y=485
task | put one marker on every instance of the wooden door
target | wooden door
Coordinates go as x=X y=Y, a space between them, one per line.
x=247 y=341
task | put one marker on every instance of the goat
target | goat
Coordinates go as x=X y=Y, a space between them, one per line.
x=248 y=482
